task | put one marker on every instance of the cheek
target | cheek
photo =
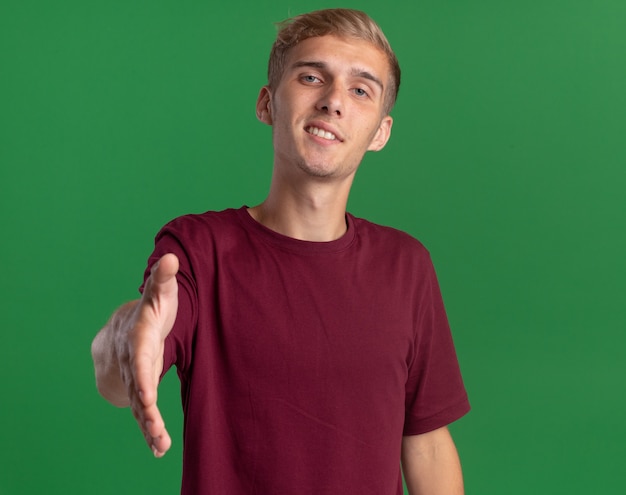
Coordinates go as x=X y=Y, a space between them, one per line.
x=368 y=132
x=283 y=115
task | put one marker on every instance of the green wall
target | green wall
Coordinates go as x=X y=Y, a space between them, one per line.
x=507 y=160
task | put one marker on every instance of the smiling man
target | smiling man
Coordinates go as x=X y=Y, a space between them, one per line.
x=312 y=346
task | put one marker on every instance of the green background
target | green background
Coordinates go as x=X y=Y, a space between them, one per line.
x=507 y=160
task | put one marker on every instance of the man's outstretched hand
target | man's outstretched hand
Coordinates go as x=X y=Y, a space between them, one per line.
x=128 y=352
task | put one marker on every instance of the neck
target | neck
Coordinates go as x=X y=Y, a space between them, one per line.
x=316 y=212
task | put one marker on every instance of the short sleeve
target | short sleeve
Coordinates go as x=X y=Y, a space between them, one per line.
x=435 y=393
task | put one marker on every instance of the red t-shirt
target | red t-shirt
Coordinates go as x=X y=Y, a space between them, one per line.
x=302 y=364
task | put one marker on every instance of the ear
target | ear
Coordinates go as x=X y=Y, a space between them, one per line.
x=263 y=106
x=382 y=134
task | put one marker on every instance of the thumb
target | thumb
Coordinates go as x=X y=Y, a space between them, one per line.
x=165 y=269
x=160 y=297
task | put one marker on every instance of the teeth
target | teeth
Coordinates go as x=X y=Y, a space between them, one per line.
x=321 y=133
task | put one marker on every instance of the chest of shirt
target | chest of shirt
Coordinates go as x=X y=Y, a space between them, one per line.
x=310 y=325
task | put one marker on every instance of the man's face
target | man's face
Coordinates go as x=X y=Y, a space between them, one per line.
x=327 y=110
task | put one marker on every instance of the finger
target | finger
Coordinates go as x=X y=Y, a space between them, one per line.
x=144 y=380
x=152 y=426
x=142 y=391
x=159 y=441
x=155 y=433
x=145 y=360
x=144 y=402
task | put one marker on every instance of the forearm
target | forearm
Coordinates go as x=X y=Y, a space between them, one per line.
x=104 y=353
x=431 y=465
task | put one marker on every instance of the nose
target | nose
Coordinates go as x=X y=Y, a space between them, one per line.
x=331 y=101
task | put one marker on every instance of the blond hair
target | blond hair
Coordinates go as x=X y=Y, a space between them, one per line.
x=345 y=23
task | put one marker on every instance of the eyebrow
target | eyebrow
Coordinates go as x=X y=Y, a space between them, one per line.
x=354 y=72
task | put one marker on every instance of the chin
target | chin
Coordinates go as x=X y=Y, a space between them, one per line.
x=322 y=170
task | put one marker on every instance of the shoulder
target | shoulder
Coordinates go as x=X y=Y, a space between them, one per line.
x=203 y=226
x=211 y=218
x=388 y=238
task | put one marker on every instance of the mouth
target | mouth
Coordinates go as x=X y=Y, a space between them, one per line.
x=321 y=133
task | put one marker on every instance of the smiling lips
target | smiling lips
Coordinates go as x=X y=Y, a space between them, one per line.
x=316 y=131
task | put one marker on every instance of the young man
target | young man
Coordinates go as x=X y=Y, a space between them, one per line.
x=312 y=347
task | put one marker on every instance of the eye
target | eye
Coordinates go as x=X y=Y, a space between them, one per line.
x=360 y=92
x=308 y=78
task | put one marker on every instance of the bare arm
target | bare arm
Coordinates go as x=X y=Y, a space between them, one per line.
x=128 y=352
x=431 y=464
